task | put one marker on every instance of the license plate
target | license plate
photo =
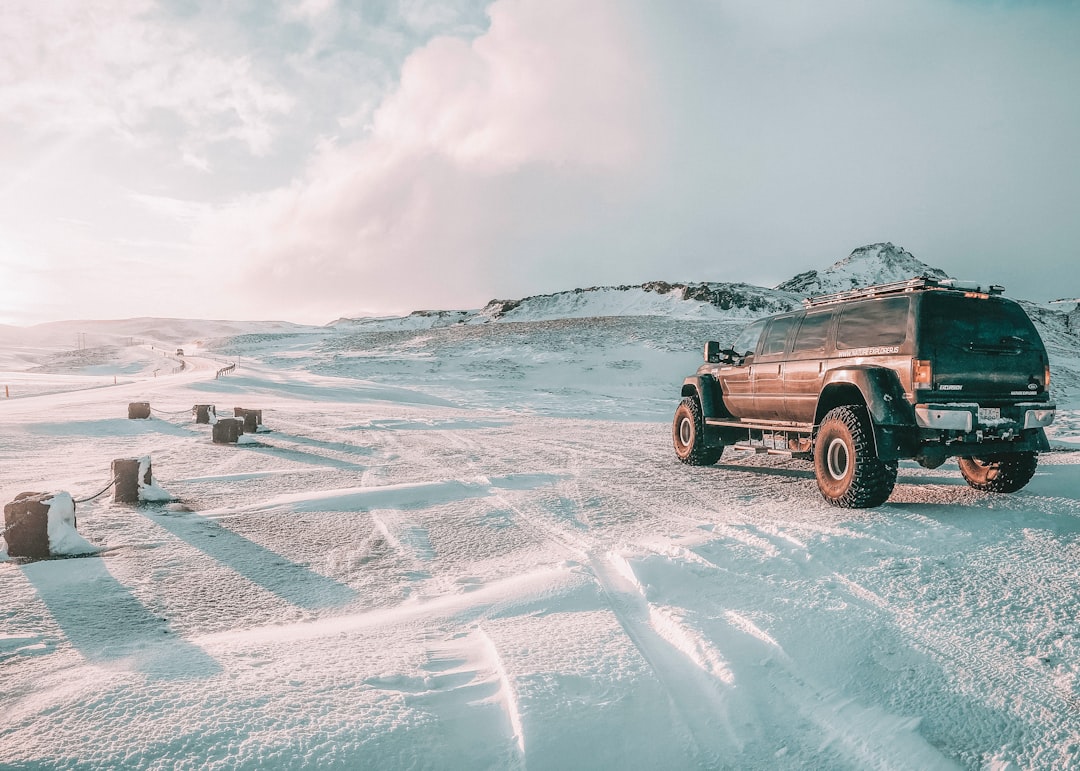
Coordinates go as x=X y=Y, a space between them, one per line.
x=986 y=414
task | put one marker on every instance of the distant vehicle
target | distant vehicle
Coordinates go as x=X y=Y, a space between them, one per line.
x=179 y=351
x=925 y=369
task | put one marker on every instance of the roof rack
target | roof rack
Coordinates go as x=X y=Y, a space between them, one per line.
x=898 y=287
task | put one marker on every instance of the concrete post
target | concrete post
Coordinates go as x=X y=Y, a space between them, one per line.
x=203 y=412
x=252 y=418
x=126 y=473
x=26 y=523
x=227 y=431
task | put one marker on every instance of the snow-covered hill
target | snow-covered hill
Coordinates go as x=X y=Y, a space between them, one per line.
x=871 y=264
x=658 y=326
x=867 y=265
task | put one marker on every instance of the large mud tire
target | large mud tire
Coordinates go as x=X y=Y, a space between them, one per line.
x=849 y=473
x=999 y=473
x=688 y=435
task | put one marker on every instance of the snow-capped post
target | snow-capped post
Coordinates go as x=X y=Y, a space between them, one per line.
x=203 y=412
x=26 y=525
x=40 y=525
x=125 y=472
x=227 y=431
x=138 y=410
x=252 y=418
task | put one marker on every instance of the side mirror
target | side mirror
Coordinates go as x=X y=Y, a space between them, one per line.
x=713 y=354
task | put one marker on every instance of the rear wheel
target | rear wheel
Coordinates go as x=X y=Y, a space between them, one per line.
x=999 y=473
x=849 y=473
x=688 y=435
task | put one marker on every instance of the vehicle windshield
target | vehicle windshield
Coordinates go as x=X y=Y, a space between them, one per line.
x=747 y=341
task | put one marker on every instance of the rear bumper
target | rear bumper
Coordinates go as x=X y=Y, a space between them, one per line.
x=948 y=430
x=967 y=417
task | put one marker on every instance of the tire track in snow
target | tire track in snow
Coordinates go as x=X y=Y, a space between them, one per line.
x=695 y=674
x=690 y=670
x=758 y=665
x=686 y=666
x=674 y=497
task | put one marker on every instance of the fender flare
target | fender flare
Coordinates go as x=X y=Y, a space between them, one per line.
x=706 y=389
x=891 y=415
x=880 y=389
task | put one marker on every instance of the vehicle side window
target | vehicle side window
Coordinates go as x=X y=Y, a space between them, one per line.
x=747 y=341
x=873 y=324
x=777 y=335
x=813 y=332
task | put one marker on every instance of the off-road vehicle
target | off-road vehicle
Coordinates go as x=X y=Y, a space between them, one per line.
x=924 y=369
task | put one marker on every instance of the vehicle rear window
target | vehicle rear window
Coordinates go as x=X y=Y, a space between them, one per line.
x=979 y=321
x=873 y=324
x=776 y=337
x=813 y=332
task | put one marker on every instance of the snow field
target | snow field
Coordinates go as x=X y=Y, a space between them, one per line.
x=436 y=565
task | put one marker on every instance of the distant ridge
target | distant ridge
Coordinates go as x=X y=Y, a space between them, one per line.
x=870 y=264
x=653 y=297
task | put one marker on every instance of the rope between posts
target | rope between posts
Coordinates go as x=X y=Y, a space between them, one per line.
x=163 y=411
x=96 y=495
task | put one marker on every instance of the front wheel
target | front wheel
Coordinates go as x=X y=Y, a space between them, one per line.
x=849 y=473
x=1000 y=473
x=688 y=435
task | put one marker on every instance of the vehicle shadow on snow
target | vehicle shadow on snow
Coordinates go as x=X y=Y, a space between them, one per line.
x=106 y=622
x=791 y=473
x=1052 y=497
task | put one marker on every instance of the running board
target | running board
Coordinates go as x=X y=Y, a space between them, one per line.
x=757 y=449
x=772 y=437
x=762 y=425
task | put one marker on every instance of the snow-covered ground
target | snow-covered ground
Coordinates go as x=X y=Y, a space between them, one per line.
x=472 y=547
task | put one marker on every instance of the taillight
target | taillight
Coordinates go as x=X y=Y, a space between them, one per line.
x=921 y=374
x=1046 y=378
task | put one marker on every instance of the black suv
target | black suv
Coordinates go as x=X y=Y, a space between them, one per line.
x=923 y=369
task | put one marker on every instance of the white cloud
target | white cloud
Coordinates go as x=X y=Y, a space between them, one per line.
x=172 y=208
x=534 y=88
x=481 y=144
x=78 y=65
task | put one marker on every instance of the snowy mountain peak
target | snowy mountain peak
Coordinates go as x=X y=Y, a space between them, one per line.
x=867 y=265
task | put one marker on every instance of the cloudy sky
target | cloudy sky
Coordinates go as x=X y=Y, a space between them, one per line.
x=308 y=160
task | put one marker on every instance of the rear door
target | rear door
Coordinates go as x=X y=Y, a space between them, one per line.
x=806 y=365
